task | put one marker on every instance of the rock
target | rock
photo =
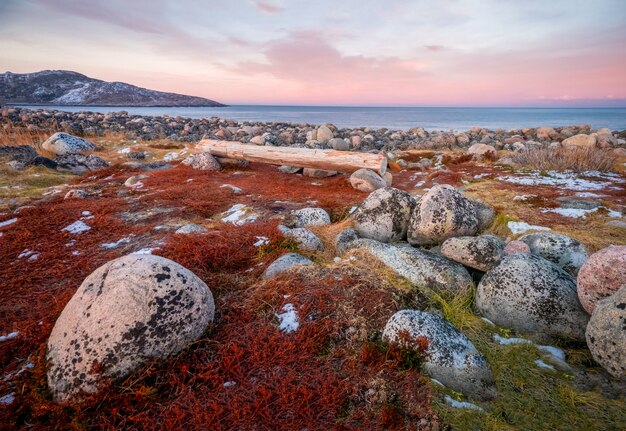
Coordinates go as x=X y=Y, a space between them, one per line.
x=518 y=147
x=339 y=144
x=606 y=333
x=601 y=275
x=343 y=240
x=484 y=213
x=442 y=140
x=307 y=217
x=451 y=357
x=545 y=133
x=531 y=294
x=76 y=194
x=257 y=140
x=562 y=250
x=366 y=180
x=63 y=143
x=134 y=180
x=422 y=268
x=579 y=141
x=202 y=161
x=235 y=163
x=516 y=247
x=324 y=134
x=443 y=212
x=79 y=163
x=572 y=202
x=482 y=252
x=289 y=169
x=384 y=215
x=307 y=240
x=287 y=262
x=23 y=154
x=127 y=311
x=462 y=139
x=318 y=173
x=482 y=150
x=191 y=228
x=388 y=178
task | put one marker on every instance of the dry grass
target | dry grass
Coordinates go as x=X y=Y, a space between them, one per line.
x=562 y=159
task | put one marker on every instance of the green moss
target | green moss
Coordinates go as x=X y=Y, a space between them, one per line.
x=21 y=186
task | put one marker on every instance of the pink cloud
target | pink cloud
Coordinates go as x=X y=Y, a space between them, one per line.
x=267 y=7
x=435 y=48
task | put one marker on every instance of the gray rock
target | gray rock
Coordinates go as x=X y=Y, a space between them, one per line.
x=76 y=194
x=191 y=228
x=384 y=215
x=366 y=180
x=606 y=333
x=307 y=217
x=572 y=202
x=451 y=357
x=63 y=143
x=339 y=144
x=289 y=169
x=343 y=240
x=203 y=162
x=482 y=252
x=566 y=252
x=531 y=294
x=235 y=163
x=318 y=173
x=79 y=163
x=484 y=213
x=127 y=311
x=443 y=212
x=324 y=134
x=422 y=268
x=287 y=262
x=307 y=240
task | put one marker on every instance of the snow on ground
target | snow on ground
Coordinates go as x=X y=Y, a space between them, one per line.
x=171 y=156
x=235 y=189
x=29 y=365
x=261 y=240
x=523 y=197
x=125 y=240
x=124 y=150
x=579 y=212
x=237 y=215
x=505 y=341
x=7 y=399
x=77 y=227
x=288 y=319
x=8 y=222
x=564 y=180
x=9 y=336
x=542 y=364
x=461 y=404
x=521 y=227
x=147 y=250
x=30 y=254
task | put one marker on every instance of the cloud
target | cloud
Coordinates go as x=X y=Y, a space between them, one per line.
x=435 y=48
x=267 y=7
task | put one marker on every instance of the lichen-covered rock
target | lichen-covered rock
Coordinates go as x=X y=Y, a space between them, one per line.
x=484 y=213
x=422 y=268
x=63 y=143
x=307 y=217
x=606 y=333
x=203 y=162
x=127 y=311
x=285 y=263
x=76 y=194
x=79 y=163
x=191 y=228
x=289 y=169
x=601 y=275
x=566 y=252
x=366 y=180
x=343 y=239
x=481 y=252
x=443 y=212
x=451 y=357
x=384 y=215
x=516 y=247
x=531 y=294
x=307 y=240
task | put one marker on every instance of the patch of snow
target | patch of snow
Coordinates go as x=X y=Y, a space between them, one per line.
x=229 y=384
x=124 y=150
x=261 y=241
x=554 y=352
x=437 y=382
x=75 y=253
x=488 y=321
x=171 y=156
x=9 y=336
x=461 y=404
x=86 y=215
x=235 y=189
x=77 y=227
x=420 y=184
x=353 y=209
x=506 y=341
x=8 y=222
x=521 y=227
x=579 y=212
x=479 y=176
x=7 y=399
x=29 y=365
x=542 y=364
x=562 y=180
x=288 y=319
x=237 y=215
x=523 y=197
x=117 y=243
x=147 y=250
x=189 y=180
x=588 y=195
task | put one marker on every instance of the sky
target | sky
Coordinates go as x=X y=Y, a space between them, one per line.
x=333 y=52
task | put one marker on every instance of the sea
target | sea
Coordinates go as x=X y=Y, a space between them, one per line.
x=398 y=118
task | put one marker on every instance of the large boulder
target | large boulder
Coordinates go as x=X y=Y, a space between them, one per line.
x=440 y=214
x=602 y=275
x=531 y=294
x=324 y=134
x=422 y=268
x=339 y=144
x=481 y=252
x=562 y=250
x=79 y=163
x=307 y=217
x=63 y=143
x=203 y=162
x=482 y=150
x=127 y=311
x=579 y=141
x=306 y=240
x=285 y=263
x=606 y=333
x=318 y=173
x=451 y=357
x=384 y=215
x=484 y=213
x=366 y=180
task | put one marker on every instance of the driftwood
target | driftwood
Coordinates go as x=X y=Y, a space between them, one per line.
x=332 y=160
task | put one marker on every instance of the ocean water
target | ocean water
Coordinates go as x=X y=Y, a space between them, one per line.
x=392 y=118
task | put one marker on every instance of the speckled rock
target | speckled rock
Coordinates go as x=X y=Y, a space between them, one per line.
x=484 y=213
x=307 y=240
x=285 y=263
x=481 y=252
x=384 y=215
x=531 y=294
x=422 y=268
x=63 y=143
x=601 y=275
x=516 y=247
x=191 y=228
x=127 y=311
x=606 y=333
x=289 y=169
x=443 y=212
x=307 y=217
x=366 y=180
x=343 y=239
x=324 y=134
x=203 y=162
x=76 y=194
x=566 y=252
x=451 y=357
x=80 y=163
x=318 y=173
x=482 y=150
